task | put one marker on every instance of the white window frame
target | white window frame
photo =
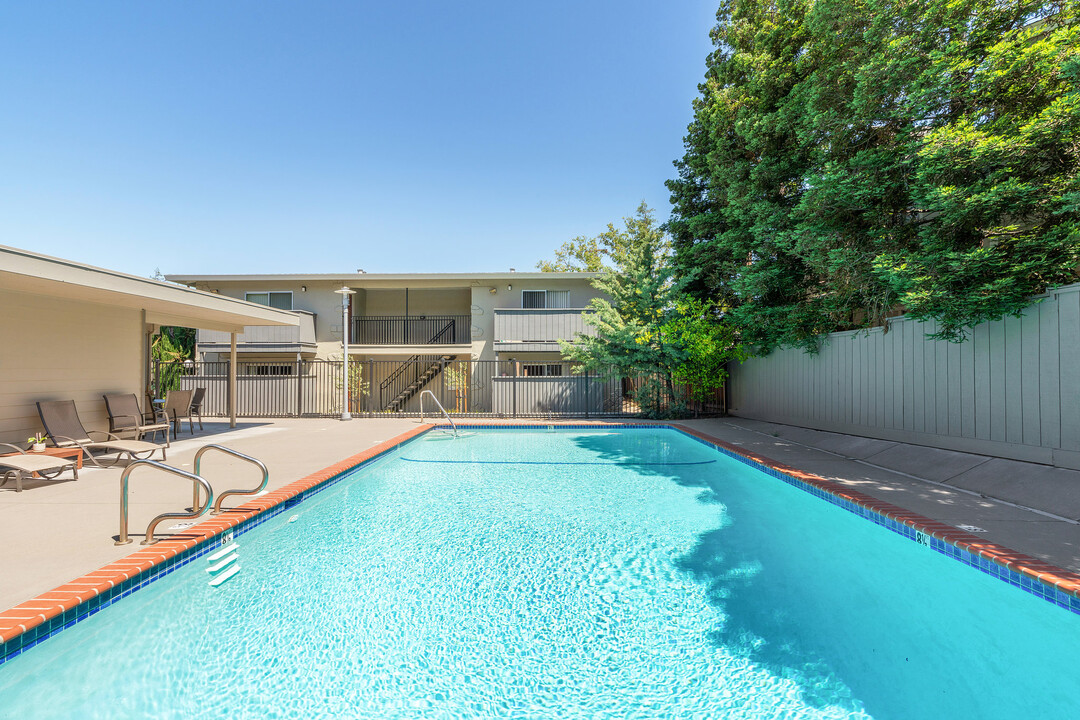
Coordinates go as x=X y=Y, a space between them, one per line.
x=268 y=293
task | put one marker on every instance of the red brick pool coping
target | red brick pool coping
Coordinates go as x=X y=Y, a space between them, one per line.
x=32 y=613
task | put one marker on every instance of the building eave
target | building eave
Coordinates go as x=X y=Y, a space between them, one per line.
x=164 y=303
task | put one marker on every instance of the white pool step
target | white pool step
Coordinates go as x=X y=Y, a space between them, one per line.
x=224 y=576
x=225 y=550
x=224 y=563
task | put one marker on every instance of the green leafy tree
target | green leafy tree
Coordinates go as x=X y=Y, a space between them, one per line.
x=849 y=160
x=609 y=249
x=581 y=254
x=742 y=174
x=646 y=327
x=708 y=342
x=168 y=354
x=995 y=163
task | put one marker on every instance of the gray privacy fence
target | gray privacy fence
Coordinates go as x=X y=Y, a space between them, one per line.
x=1011 y=390
x=313 y=388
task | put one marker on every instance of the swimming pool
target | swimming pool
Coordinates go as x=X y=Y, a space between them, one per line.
x=591 y=574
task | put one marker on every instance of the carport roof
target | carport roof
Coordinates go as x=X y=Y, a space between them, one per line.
x=165 y=303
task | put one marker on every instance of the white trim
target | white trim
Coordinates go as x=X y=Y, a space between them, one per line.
x=33 y=273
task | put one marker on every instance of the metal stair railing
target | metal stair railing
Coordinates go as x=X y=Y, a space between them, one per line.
x=221 y=497
x=423 y=377
x=438 y=405
x=195 y=512
x=395 y=385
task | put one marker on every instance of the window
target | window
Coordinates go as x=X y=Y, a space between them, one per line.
x=542 y=370
x=283 y=369
x=280 y=300
x=542 y=299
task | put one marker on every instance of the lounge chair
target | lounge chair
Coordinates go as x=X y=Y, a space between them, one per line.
x=196 y=405
x=125 y=416
x=62 y=425
x=178 y=407
x=16 y=466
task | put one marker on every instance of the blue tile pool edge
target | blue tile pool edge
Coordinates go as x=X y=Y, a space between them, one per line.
x=38 y=634
x=42 y=632
x=1032 y=585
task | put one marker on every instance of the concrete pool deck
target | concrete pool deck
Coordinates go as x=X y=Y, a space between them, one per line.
x=58 y=531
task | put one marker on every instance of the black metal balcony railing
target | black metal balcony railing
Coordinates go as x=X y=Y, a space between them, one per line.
x=419 y=330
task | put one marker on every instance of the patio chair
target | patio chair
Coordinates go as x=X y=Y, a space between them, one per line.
x=125 y=416
x=196 y=405
x=24 y=464
x=62 y=425
x=178 y=407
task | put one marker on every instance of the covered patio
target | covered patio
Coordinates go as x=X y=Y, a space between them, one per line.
x=73 y=331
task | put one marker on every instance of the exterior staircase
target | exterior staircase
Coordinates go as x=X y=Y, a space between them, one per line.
x=410 y=378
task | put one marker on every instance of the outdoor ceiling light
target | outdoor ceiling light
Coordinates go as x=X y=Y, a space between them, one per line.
x=509 y=287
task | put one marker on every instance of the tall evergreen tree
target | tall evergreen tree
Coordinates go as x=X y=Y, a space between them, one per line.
x=847 y=160
x=742 y=175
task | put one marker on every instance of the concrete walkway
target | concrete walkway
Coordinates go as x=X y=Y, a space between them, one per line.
x=1031 y=508
x=56 y=531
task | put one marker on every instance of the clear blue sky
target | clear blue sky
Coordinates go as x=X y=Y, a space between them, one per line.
x=233 y=137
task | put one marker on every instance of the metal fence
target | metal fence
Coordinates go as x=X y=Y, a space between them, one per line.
x=313 y=388
x=421 y=330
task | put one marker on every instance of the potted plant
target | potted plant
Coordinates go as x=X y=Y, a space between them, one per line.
x=37 y=442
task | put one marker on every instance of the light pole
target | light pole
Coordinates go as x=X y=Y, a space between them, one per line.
x=345 y=292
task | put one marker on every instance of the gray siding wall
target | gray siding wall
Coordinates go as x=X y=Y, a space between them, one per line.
x=1012 y=390
x=540 y=325
x=304 y=333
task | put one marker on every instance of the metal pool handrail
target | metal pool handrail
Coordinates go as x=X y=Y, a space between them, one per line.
x=228 y=451
x=439 y=405
x=196 y=511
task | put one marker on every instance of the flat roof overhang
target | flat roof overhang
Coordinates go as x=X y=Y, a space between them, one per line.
x=248 y=347
x=164 y=303
x=389 y=280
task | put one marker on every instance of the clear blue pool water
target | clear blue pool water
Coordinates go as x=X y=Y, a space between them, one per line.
x=574 y=574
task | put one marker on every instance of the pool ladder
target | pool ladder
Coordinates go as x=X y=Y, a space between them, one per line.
x=197 y=481
x=441 y=409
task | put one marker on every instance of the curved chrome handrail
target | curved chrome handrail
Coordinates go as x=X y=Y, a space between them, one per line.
x=196 y=511
x=439 y=405
x=229 y=451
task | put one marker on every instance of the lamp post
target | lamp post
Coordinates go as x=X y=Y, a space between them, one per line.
x=345 y=292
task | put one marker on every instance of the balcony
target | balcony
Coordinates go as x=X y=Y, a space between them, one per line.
x=264 y=338
x=411 y=330
x=536 y=330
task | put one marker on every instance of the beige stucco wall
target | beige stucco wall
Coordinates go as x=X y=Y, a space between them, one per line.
x=426 y=296
x=53 y=349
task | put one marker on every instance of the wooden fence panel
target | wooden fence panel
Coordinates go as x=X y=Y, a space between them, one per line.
x=1012 y=389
